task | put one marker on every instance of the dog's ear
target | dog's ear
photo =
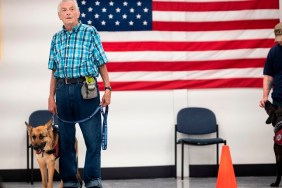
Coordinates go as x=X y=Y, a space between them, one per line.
x=49 y=124
x=271 y=118
x=28 y=126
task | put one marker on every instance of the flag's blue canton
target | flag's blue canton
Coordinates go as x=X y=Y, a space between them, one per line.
x=117 y=15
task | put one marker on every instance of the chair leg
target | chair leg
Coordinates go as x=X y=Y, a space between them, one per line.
x=175 y=161
x=182 y=160
x=31 y=166
x=217 y=155
x=27 y=158
x=175 y=153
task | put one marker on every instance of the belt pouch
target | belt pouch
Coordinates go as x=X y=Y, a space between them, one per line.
x=89 y=89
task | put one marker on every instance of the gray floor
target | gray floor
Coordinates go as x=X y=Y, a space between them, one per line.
x=242 y=182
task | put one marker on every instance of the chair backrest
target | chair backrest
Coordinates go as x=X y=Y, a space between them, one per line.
x=40 y=117
x=196 y=120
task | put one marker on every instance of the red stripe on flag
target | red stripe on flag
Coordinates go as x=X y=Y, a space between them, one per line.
x=215 y=6
x=184 y=66
x=186 y=84
x=187 y=46
x=215 y=26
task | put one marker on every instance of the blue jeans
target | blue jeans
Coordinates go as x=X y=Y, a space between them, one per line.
x=72 y=107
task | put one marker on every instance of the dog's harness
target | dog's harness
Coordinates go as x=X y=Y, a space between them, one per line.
x=55 y=149
x=104 y=124
x=278 y=133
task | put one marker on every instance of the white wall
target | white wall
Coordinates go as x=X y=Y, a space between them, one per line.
x=141 y=124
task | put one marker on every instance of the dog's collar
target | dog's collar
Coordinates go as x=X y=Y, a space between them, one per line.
x=278 y=126
x=51 y=151
x=54 y=151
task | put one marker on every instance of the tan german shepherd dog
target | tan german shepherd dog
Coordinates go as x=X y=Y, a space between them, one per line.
x=44 y=140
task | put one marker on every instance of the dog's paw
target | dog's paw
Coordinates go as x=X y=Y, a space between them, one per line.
x=274 y=185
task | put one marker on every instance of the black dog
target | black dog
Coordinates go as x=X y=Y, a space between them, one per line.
x=275 y=118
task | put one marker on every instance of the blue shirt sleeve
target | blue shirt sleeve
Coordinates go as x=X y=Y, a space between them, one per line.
x=52 y=64
x=98 y=51
x=268 y=67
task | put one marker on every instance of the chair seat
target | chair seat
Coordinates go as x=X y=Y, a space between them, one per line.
x=195 y=141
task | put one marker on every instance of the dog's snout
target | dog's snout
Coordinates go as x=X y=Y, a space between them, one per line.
x=39 y=146
x=36 y=147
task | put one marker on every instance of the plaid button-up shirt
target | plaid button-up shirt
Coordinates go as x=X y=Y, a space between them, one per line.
x=76 y=54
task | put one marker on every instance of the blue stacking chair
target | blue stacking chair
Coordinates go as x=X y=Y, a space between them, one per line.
x=196 y=121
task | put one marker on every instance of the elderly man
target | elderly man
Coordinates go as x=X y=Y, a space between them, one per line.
x=76 y=59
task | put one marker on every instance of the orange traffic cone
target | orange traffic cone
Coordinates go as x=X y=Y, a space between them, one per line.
x=226 y=177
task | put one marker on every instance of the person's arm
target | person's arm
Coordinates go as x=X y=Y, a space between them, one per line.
x=267 y=85
x=52 y=107
x=106 y=99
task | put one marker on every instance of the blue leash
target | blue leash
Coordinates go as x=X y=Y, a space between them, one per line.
x=104 y=126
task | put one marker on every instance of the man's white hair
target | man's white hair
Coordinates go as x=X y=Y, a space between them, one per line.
x=75 y=2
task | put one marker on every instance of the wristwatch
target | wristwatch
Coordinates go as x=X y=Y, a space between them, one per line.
x=109 y=88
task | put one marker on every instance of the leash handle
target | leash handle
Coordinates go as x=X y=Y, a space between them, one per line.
x=105 y=127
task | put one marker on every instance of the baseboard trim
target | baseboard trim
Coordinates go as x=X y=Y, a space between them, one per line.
x=23 y=175
x=239 y=170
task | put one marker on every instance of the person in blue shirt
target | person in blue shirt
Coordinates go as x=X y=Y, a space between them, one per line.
x=77 y=55
x=272 y=71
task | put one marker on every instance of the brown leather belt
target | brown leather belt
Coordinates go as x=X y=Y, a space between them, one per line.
x=70 y=80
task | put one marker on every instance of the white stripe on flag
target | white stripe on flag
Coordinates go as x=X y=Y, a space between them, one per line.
x=214 y=15
x=186 y=75
x=185 y=56
x=186 y=36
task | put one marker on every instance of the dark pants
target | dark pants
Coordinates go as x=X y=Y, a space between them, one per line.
x=72 y=107
x=277 y=103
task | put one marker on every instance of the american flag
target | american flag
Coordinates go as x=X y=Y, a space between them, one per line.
x=183 y=44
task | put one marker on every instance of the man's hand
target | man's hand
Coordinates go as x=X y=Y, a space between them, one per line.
x=52 y=107
x=262 y=102
x=106 y=99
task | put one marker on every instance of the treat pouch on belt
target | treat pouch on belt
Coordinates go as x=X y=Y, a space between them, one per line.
x=89 y=89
